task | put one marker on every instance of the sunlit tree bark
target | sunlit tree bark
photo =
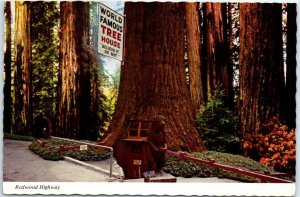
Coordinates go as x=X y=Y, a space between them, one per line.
x=22 y=75
x=261 y=73
x=74 y=99
x=193 y=39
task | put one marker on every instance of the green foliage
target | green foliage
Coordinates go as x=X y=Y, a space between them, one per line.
x=275 y=146
x=112 y=90
x=187 y=168
x=45 y=42
x=217 y=125
x=90 y=155
x=192 y=169
x=100 y=109
x=17 y=137
x=48 y=153
x=51 y=151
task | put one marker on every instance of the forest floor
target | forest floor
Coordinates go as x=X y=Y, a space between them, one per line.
x=20 y=164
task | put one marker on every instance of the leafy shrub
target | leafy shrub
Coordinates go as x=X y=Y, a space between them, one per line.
x=217 y=125
x=275 y=146
x=52 y=152
x=192 y=169
x=18 y=137
x=48 y=153
x=90 y=155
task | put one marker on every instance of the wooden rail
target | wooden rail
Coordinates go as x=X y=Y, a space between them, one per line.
x=66 y=148
x=212 y=163
x=42 y=143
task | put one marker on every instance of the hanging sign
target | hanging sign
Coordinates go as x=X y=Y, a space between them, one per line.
x=111 y=29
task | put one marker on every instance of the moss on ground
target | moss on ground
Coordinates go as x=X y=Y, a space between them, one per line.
x=52 y=152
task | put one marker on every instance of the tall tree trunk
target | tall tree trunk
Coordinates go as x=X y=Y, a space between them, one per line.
x=219 y=72
x=291 y=65
x=84 y=86
x=153 y=76
x=74 y=75
x=261 y=73
x=22 y=76
x=193 y=38
x=7 y=119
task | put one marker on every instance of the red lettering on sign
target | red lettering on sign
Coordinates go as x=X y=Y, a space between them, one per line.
x=119 y=37
x=111 y=42
x=103 y=29
x=111 y=33
x=114 y=34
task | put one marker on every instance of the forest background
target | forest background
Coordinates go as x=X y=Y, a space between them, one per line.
x=238 y=82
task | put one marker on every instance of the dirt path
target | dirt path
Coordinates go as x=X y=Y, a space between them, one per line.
x=20 y=164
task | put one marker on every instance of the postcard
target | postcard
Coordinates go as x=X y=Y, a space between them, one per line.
x=149 y=98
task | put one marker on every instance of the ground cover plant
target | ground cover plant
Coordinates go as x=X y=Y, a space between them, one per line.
x=192 y=169
x=52 y=152
x=18 y=137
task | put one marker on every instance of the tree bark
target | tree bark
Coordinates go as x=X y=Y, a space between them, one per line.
x=74 y=99
x=218 y=71
x=291 y=65
x=261 y=73
x=153 y=76
x=22 y=76
x=7 y=113
x=193 y=38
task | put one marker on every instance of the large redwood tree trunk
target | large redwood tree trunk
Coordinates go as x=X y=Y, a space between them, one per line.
x=74 y=75
x=218 y=72
x=22 y=75
x=153 y=76
x=291 y=66
x=193 y=39
x=261 y=69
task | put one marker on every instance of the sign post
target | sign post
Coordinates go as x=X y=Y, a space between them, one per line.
x=111 y=30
